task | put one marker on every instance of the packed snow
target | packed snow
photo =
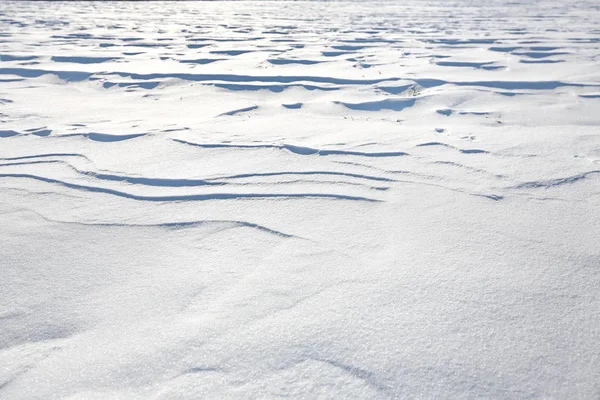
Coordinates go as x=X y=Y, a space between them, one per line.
x=307 y=199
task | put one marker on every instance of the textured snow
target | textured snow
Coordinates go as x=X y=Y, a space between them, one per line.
x=300 y=200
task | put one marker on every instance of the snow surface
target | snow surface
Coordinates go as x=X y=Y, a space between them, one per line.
x=300 y=200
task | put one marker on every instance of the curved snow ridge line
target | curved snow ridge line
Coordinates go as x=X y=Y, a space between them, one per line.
x=334 y=173
x=169 y=182
x=103 y=137
x=71 y=76
x=44 y=156
x=470 y=169
x=272 y=87
x=160 y=182
x=168 y=225
x=464 y=151
x=285 y=61
x=494 y=197
x=193 y=224
x=75 y=76
x=191 y=197
x=393 y=172
x=95 y=136
x=184 y=225
x=506 y=85
x=83 y=60
x=423 y=178
x=304 y=151
x=554 y=182
x=309 y=181
x=333 y=183
x=414 y=174
x=369 y=378
x=387 y=104
x=254 y=78
x=238 y=111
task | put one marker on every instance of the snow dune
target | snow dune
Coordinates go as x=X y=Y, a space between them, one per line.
x=273 y=199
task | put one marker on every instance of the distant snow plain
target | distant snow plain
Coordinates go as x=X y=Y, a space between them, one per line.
x=307 y=200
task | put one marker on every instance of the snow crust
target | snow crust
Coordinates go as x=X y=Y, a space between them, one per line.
x=277 y=199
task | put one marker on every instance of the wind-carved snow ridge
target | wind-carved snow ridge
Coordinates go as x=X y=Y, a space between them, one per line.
x=276 y=199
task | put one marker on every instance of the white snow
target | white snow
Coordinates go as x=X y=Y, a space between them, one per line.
x=273 y=199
